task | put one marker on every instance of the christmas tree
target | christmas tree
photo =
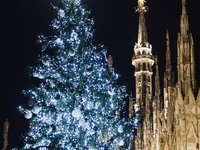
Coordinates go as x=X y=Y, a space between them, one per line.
x=78 y=103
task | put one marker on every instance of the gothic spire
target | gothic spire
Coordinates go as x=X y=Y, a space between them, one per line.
x=168 y=54
x=184 y=25
x=157 y=79
x=168 y=70
x=185 y=45
x=143 y=61
x=142 y=31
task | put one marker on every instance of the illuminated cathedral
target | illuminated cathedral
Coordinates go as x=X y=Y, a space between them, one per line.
x=171 y=121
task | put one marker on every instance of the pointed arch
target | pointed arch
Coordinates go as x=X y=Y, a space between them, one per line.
x=191 y=136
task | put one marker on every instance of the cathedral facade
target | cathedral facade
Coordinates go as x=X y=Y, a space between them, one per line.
x=170 y=121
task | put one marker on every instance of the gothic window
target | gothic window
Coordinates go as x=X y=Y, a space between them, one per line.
x=144 y=78
x=191 y=138
x=139 y=67
x=143 y=52
x=144 y=66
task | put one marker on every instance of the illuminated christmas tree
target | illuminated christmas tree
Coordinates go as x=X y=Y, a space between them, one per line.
x=78 y=104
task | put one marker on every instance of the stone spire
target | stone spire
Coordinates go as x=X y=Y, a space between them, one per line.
x=185 y=58
x=142 y=31
x=5 y=134
x=157 y=79
x=168 y=76
x=143 y=61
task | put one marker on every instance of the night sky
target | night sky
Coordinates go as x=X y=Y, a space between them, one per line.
x=116 y=26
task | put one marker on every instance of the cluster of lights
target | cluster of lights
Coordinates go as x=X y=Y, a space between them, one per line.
x=77 y=104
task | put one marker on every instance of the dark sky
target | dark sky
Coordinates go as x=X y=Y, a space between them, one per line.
x=115 y=27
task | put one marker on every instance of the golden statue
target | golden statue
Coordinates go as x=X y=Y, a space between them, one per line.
x=141 y=4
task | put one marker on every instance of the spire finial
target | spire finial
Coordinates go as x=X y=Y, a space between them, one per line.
x=141 y=4
x=183 y=6
x=142 y=33
x=183 y=3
